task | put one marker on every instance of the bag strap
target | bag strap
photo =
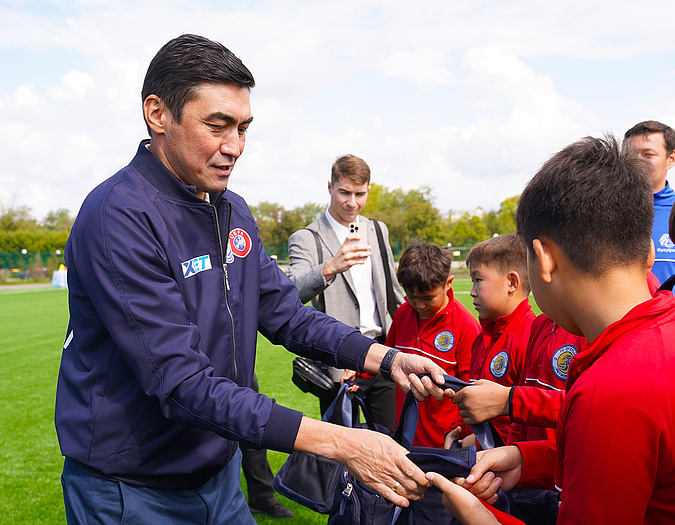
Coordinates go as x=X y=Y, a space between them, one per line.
x=486 y=434
x=348 y=407
x=321 y=300
x=391 y=298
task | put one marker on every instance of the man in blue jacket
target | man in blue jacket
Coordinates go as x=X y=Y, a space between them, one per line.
x=655 y=142
x=168 y=285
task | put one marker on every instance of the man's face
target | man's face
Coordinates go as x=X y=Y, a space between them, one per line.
x=347 y=199
x=490 y=292
x=652 y=148
x=202 y=149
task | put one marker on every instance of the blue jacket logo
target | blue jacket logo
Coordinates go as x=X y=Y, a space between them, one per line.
x=196 y=265
x=666 y=242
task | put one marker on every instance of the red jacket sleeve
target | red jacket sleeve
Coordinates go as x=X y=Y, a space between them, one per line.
x=539 y=459
x=535 y=406
x=613 y=451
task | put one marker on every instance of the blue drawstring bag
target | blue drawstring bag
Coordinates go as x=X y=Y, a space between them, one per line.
x=312 y=480
x=356 y=504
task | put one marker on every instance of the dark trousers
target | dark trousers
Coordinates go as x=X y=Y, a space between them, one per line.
x=257 y=471
x=380 y=397
x=90 y=498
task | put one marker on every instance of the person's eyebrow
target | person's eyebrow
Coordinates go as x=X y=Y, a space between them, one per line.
x=219 y=115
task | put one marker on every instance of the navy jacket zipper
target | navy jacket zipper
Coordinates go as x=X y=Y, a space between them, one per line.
x=226 y=281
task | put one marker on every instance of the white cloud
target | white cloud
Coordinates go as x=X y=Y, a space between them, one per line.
x=27 y=98
x=73 y=87
x=436 y=93
x=425 y=68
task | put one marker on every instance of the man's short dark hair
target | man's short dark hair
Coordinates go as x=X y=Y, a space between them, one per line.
x=186 y=62
x=505 y=253
x=423 y=267
x=652 y=126
x=350 y=167
x=595 y=202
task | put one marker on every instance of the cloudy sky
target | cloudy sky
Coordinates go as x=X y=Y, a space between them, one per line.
x=469 y=98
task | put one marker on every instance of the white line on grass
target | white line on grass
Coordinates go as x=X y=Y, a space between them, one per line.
x=30 y=290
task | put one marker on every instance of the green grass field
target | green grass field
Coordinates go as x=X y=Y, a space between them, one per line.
x=32 y=329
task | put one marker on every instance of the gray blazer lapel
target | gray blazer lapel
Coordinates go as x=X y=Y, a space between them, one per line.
x=332 y=244
x=328 y=236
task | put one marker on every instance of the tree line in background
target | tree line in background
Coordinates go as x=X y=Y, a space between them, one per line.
x=410 y=215
x=19 y=230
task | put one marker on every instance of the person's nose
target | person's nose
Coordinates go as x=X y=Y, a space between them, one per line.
x=473 y=293
x=232 y=144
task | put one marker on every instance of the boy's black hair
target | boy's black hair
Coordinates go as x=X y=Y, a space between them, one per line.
x=186 y=62
x=595 y=202
x=505 y=253
x=423 y=267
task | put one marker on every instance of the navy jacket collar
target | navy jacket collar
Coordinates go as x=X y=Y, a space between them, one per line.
x=151 y=169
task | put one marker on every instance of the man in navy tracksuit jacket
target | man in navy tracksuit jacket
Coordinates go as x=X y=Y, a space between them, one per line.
x=168 y=285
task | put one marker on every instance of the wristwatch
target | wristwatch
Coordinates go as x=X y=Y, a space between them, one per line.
x=387 y=361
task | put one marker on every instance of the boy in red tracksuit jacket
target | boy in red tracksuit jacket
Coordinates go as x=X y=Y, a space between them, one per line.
x=549 y=354
x=534 y=405
x=586 y=219
x=535 y=411
x=498 y=269
x=432 y=323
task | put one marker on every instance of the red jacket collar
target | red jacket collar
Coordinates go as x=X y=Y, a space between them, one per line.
x=493 y=329
x=641 y=315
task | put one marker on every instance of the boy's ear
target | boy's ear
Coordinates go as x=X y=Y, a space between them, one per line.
x=652 y=256
x=546 y=259
x=514 y=281
x=449 y=281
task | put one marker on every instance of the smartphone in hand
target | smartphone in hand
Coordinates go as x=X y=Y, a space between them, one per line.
x=354 y=230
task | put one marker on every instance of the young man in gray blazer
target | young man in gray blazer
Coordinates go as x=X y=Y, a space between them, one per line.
x=345 y=274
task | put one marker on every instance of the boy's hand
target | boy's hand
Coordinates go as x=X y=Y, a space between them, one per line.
x=481 y=401
x=349 y=375
x=494 y=468
x=469 y=441
x=451 y=437
x=461 y=503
